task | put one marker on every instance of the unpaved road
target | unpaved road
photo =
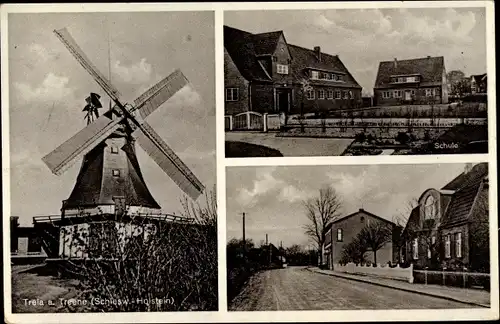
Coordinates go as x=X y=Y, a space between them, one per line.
x=299 y=289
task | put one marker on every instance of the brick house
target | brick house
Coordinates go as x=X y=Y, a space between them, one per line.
x=263 y=73
x=414 y=81
x=479 y=83
x=342 y=231
x=449 y=228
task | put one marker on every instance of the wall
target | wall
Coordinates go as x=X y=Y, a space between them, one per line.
x=351 y=226
x=405 y=274
x=262 y=97
x=283 y=57
x=234 y=79
x=420 y=97
x=320 y=105
x=454 y=261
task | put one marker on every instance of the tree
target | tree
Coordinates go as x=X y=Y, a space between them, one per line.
x=354 y=252
x=480 y=233
x=320 y=212
x=374 y=237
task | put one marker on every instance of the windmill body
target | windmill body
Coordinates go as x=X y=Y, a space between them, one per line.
x=110 y=187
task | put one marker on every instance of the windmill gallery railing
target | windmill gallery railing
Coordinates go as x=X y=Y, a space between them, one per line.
x=253 y=121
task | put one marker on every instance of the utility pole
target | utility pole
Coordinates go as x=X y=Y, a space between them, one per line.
x=244 y=239
x=266 y=239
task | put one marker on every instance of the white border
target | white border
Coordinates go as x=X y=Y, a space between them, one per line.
x=296 y=316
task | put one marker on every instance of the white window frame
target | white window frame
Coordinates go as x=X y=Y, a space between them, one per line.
x=321 y=94
x=429 y=92
x=415 y=248
x=116 y=172
x=114 y=149
x=351 y=96
x=340 y=235
x=282 y=68
x=338 y=94
x=315 y=75
x=345 y=94
x=329 y=94
x=447 y=246
x=458 y=245
x=232 y=94
x=310 y=95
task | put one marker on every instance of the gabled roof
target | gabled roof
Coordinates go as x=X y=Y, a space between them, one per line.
x=265 y=43
x=304 y=58
x=429 y=68
x=245 y=48
x=240 y=46
x=478 y=172
x=461 y=204
x=479 y=77
x=413 y=220
x=360 y=211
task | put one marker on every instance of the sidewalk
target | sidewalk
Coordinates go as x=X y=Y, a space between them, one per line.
x=469 y=296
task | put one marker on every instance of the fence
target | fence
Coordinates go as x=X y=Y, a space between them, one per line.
x=251 y=120
x=397 y=272
x=452 y=278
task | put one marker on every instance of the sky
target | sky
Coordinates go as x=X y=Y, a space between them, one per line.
x=363 y=38
x=48 y=88
x=272 y=197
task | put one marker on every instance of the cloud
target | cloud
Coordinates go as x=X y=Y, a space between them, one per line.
x=135 y=73
x=263 y=184
x=53 y=88
x=292 y=194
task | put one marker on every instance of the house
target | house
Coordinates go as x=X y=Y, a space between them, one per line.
x=413 y=81
x=343 y=230
x=479 y=83
x=449 y=228
x=25 y=244
x=265 y=74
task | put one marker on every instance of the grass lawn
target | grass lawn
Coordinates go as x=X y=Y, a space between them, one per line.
x=32 y=291
x=242 y=149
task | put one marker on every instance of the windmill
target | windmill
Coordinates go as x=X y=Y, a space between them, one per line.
x=92 y=106
x=110 y=170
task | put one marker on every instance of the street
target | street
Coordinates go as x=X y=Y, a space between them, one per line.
x=296 y=288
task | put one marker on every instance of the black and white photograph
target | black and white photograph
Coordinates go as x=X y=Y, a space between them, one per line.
x=395 y=81
x=105 y=216
x=358 y=237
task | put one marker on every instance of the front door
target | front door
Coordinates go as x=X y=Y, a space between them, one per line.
x=283 y=100
x=408 y=95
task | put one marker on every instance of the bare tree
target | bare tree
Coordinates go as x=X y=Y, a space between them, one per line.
x=401 y=218
x=375 y=236
x=320 y=212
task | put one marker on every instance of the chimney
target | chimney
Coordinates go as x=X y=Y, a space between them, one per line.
x=317 y=50
x=428 y=56
x=467 y=168
x=395 y=63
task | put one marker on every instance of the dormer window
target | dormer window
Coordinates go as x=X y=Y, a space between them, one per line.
x=314 y=75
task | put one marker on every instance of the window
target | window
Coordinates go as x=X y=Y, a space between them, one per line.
x=337 y=94
x=314 y=75
x=114 y=149
x=340 y=235
x=340 y=78
x=415 y=248
x=362 y=219
x=430 y=208
x=116 y=173
x=330 y=94
x=411 y=79
x=458 y=245
x=310 y=95
x=275 y=58
x=429 y=92
x=282 y=69
x=321 y=94
x=350 y=95
x=398 y=93
x=232 y=94
x=346 y=94
x=447 y=246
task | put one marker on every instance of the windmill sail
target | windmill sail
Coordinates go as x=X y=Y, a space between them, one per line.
x=80 y=144
x=154 y=97
x=168 y=161
x=68 y=41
